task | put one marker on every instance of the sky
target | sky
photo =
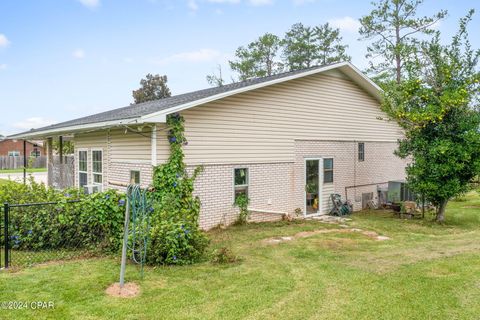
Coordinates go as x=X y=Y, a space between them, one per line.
x=63 y=59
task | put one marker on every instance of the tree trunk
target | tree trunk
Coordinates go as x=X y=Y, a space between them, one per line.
x=441 y=211
x=398 y=58
x=398 y=42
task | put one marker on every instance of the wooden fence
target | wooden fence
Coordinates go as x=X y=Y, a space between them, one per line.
x=8 y=162
x=61 y=175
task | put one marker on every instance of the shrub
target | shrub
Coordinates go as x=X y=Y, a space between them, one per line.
x=224 y=255
x=96 y=222
x=241 y=201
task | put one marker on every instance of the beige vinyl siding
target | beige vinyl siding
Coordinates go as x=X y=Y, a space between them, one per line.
x=163 y=147
x=130 y=146
x=261 y=125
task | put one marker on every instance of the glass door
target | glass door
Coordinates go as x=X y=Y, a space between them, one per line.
x=312 y=186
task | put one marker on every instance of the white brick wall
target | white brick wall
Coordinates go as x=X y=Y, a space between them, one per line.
x=279 y=187
x=270 y=189
x=380 y=165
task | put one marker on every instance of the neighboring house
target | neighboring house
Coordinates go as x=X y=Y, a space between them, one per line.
x=14 y=148
x=288 y=141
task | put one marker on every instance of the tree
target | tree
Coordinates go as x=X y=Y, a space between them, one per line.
x=328 y=44
x=393 y=25
x=216 y=80
x=439 y=109
x=153 y=87
x=299 y=47
x=258 y=59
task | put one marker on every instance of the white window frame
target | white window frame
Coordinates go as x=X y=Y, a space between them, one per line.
x=91 y=163
x=333 y=170
x=241 y=185
x=35 y=153
x=362 y=153
x=78 y=165
x=14 y=153
x=139 y=176
x=320 y=184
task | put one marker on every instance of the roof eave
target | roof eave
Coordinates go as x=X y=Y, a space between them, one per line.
x=42 y=134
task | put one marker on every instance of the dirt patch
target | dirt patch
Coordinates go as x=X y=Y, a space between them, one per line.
x=129 y=290
x=306 y=234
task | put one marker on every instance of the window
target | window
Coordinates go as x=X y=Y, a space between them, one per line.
x=35 y=153
x=327 y=170
x=134 y=177
x=361 y=151
x=240 y=182
x=14 y=153
x=82 y=168
x=97 y=166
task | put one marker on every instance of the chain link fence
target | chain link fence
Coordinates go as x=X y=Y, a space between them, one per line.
x=35 y=233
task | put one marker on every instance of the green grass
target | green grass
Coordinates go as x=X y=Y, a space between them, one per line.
x=29 y=170
x=426 y=271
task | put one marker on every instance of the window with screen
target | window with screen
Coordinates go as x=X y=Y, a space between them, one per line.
x=240 y=182
x=327 y=170
x=97 y=166
x=361 y=151
x=134 y=177
x=82 y=168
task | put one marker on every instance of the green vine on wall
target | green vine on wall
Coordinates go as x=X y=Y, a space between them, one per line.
x=175 y=236
x=172 y=183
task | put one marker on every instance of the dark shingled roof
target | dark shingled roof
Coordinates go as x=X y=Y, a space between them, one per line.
x=141 y=109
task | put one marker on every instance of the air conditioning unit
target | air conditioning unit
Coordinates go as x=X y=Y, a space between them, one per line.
x=92 y=188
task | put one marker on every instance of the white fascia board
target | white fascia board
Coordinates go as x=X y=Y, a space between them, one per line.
x=73 y=129
x=164 y=113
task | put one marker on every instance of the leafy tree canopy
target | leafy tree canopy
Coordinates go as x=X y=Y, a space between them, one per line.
x=305 y=46
x=259 y=58
x=393 y=26
x=438 y=107
x=153 y=87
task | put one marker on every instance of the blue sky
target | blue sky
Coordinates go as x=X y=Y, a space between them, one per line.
x=62 y=59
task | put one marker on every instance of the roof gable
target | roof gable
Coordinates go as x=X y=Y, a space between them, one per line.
x=157 y=110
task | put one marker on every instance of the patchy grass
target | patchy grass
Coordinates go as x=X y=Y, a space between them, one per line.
x=426 y=271
x=29 y=170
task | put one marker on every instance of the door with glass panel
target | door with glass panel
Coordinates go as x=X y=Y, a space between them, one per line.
x=313 y=187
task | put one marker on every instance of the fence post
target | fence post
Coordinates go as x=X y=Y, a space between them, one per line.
x=6 y=210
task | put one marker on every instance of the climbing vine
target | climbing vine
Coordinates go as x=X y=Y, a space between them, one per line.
x=175 y=234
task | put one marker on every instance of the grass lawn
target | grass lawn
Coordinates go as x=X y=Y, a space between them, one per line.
x=29 y=170
x=425 y=271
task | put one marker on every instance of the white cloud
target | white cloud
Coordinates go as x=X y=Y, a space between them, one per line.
x=91 y=4
x=202 y=55
x=78 y=54
x=192 y=5
x=223 y=1
x=260 y=2
x=4 y=42
x=346 y=24
x=3 y=66
x=302 y=2
x=33 y=122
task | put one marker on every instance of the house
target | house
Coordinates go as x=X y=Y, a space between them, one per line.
x=287 y=140
x=14 y=148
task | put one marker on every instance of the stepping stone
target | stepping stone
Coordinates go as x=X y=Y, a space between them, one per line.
x=382 y=238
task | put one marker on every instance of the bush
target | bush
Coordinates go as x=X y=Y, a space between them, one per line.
x=96 y=222
x=175 y=242
x=241 y=201
x=224 y=255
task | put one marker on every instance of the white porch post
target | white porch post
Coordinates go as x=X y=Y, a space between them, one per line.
x=154 y=145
